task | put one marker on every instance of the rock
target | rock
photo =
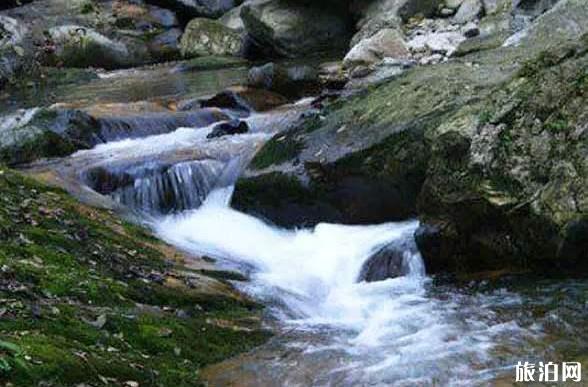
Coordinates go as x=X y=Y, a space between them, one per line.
x=332 y=75
x=163 y=17
x=77 y=46
x=468 y=11
x=493 y=145
x=447 y=12
x=387 y=43
x=6 y=4
x=453 y=4
x=470 y=30
x=259 y=100
x=391 y=261
x=229 y=128
x=208 y=37
x=293 y=30
x=286 y=80
x=380 y=14
x=227 y=100
x=166 y=46
x=232 y=19
x=498 y=207
x=437 y=42
x=12 y=52
x=27 y=135
x=198 y=8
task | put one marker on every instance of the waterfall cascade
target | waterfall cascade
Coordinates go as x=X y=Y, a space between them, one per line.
x=155 y=187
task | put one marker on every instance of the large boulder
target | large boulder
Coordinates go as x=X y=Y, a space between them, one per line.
x=295 y=29
x=78 y=46
x=507 y=184
x=488 y=150
x=204 y=37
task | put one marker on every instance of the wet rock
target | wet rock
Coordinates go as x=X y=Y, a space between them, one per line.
x=294 y=29
x=227 y=100
x=286 y=80
x=229 y=128
x=391 y=261
x=387 y=43
x=156 y=187
x=245 y=99
x=78 y=46
x=204 y=37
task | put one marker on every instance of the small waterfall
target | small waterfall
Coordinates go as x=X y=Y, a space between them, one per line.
x=158 y=188
x=139 y=126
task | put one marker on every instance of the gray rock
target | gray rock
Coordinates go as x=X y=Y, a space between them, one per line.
x=387 y=43
x=12 y=50
x=28 y=135
x=78 y=46
x=204 y=37
x=286 y=80
x=293 y=30
x=469 y=11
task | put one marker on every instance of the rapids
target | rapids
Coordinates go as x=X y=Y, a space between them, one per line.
x=331 y=329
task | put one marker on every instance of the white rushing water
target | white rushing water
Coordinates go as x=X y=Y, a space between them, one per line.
x=391 y=332
x=346 y=332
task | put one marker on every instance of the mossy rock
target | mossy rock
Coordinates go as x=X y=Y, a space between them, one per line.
x=205 y=37
x=28 y=135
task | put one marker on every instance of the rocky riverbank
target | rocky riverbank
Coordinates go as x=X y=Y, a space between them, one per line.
x=487 y=149
x=467 y=115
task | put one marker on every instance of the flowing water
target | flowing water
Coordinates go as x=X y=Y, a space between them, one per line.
x=331 y=329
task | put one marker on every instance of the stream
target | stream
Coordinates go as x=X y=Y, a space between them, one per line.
x=331 y=329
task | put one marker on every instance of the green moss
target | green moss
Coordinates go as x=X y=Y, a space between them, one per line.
x=85 y=298
x=278 y=150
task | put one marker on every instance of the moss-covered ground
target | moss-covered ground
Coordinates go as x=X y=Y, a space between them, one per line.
x=88 y=299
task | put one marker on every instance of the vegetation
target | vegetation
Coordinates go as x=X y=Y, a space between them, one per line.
x=89 y=299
